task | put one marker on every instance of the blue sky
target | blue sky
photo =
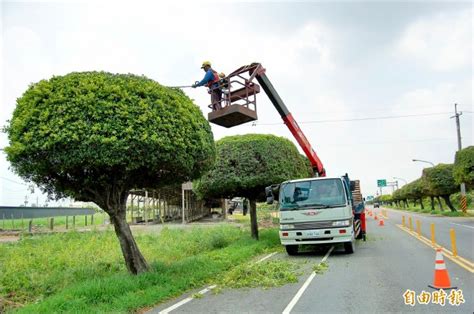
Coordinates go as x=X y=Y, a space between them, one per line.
x=328 y=60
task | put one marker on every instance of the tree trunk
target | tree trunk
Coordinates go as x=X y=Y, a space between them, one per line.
x=439 y=202
x=406 y=203
x=448 y=202
x=115 y=206
x=421 y=203
x=432 y=202
x=253 y=219
x=414 y=202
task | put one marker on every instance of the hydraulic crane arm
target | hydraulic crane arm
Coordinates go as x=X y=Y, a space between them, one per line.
x=259 y=74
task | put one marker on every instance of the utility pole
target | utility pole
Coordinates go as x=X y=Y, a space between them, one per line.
x=458 y=127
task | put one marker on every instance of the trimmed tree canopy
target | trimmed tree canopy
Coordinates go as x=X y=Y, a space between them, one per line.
x=246 y=164
x=83 y=132
x=464 y=166
x=439 y=181
x=414 y=189
x=94 y=136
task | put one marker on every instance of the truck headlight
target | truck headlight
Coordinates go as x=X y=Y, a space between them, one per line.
x=284 y=227
x=341 y=223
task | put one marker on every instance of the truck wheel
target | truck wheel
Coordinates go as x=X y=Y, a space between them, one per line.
x=291 y=249
x=349 y=247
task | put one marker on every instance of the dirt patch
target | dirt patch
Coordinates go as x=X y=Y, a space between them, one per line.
x=9 y=238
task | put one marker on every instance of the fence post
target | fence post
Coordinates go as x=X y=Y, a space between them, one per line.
x=3 y=221
x=67 y=222
x=22 y=222
x=30 y=226
x=92 y=220
x=85 y=220
x=73 y=222
x=13 y=222
x=51 y=223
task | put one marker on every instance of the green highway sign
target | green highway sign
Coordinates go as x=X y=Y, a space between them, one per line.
x=381 y=183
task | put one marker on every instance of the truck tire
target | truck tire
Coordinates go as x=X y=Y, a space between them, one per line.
x=349 y=247
x=291 y=249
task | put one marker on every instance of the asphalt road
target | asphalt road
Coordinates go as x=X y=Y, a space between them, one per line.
x=463 y=227
x=371 y=280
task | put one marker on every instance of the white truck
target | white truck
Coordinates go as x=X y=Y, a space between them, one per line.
x=319 y=211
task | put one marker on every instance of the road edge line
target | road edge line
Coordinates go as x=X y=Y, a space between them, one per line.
x=186 y=300
x=265 y=257
x=203 y=291
x=300 y=292
x=464 y=263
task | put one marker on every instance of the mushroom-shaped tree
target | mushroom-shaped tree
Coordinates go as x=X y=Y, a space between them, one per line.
x=246 y=164
x=94 y=136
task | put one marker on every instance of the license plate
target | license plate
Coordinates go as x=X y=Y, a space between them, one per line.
x=312 y=233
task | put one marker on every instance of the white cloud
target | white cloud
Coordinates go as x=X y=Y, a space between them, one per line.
x=168 y=43
x=441 y=42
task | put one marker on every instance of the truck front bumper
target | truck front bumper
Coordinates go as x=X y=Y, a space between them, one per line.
x=317 y=236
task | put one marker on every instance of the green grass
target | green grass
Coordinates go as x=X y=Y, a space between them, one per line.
x=266 y=274
x=455 y=200
x=452 y=214
x=427 y=210
x=321 y=268
x=265 y=216
x=43 y=224
x=85 y=273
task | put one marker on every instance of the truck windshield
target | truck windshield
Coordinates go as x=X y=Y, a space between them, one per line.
x=324 y=193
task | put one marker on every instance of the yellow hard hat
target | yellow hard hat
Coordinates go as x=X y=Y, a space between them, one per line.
x=205 y=63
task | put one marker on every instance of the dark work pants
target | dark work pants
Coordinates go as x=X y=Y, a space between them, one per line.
x=216 y=97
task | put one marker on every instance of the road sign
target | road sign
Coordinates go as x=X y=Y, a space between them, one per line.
x=381 y=183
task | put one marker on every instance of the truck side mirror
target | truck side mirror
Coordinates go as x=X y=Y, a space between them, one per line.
x=272 y=192
x=269 y=194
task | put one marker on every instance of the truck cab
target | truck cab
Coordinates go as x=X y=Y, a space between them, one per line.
x=317 y=211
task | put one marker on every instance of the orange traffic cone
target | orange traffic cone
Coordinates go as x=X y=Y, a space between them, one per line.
x=375 y=217
x=381 y=223
x=441 y=276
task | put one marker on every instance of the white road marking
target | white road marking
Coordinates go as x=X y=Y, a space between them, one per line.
x=453 y=223
x=266 y=257
x=184 y=301
x=203 y=291
x=300 y=292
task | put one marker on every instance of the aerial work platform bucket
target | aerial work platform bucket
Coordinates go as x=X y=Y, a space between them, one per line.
x=232 y=115
x=239 y=102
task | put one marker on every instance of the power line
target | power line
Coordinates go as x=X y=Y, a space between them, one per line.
x=396 y=141
x=13 y=181
x=363 y=119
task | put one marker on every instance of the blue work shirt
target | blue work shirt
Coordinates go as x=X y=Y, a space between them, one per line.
x=208 y=77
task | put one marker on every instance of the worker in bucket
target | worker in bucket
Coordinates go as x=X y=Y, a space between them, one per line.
x=211 y=80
